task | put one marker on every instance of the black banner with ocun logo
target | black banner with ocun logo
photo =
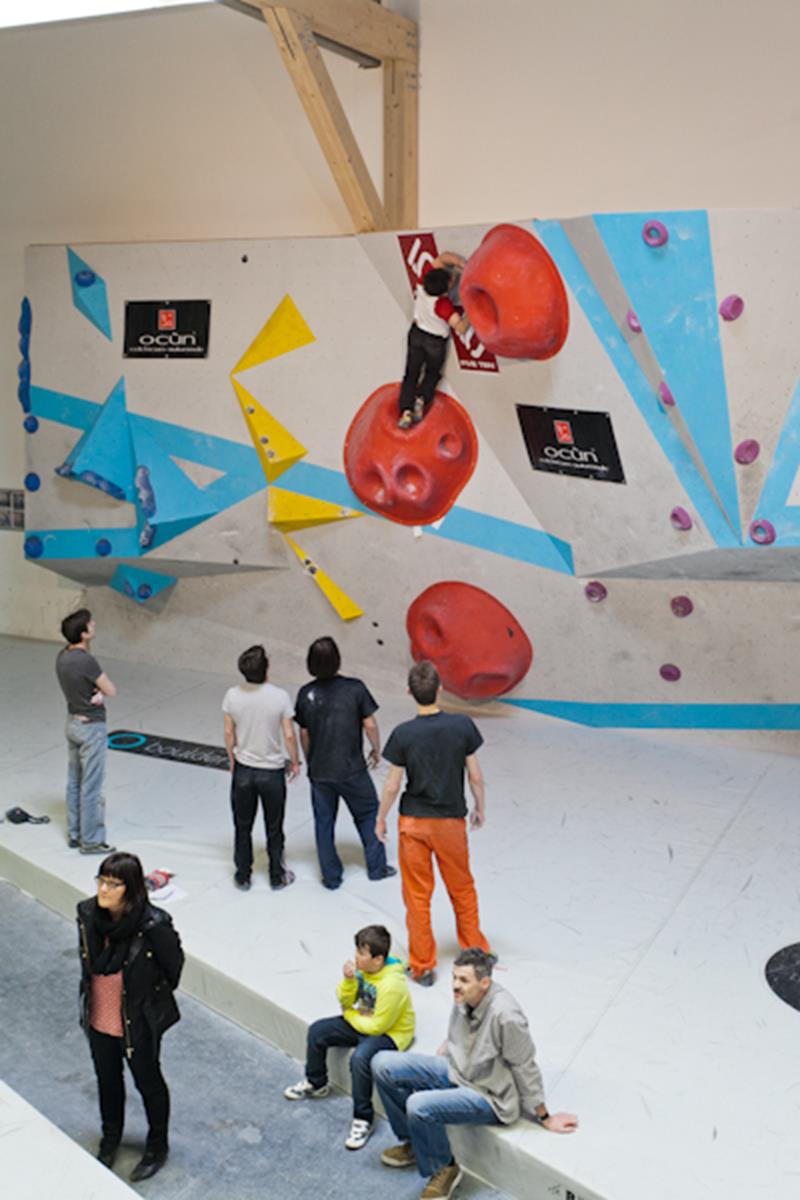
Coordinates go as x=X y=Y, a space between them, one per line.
x=166 y=328
x=565 y=441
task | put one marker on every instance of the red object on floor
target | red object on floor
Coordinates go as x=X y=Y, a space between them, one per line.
x=478 y=647
x=412 y=476
x=513 y=295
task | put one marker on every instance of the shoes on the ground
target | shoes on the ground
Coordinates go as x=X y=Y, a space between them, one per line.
x=386 y=873
x=96 y=848
x=443 y=1183
x=360 y=1133
x=331 y=886
x=73 y=843
x=406 y=420
x=242 y=884
x=147 y=1166
x=288 y=877
x=401 y=1155
x=305 y=1091
x=107 y=1152
x=419 y=410
x=424 y=979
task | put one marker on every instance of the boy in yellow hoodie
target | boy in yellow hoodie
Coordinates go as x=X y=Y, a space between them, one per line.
x=377 y=1014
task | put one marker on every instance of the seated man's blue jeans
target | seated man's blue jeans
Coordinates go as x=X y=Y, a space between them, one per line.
x=335 y=1031
x=420 y=1100
x=360 y=796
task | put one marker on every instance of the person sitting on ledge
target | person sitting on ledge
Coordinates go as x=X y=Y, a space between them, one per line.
x=485 y=1073
x=429 y=336
x=377 y=1015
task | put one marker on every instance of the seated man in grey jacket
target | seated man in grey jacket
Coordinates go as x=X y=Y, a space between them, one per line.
x=485 y=1073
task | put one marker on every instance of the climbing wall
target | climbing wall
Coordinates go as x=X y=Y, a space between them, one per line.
x=598 y=517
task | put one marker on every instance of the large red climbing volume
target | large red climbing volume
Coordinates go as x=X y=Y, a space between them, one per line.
x=412 y=476
x=478 y=647
x=514 y=296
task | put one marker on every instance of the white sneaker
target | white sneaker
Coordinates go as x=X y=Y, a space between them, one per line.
x=305 y=1091
x=360 y=1133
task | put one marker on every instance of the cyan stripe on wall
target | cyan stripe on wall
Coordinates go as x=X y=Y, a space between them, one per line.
x=667 y=716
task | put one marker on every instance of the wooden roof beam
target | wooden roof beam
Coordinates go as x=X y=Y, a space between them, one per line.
x=362 y=25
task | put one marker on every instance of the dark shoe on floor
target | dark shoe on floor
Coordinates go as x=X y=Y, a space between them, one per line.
x=331 y=886
x=97 y=848
x=386 y=873
x=288 y=877
x=242 y=884
x=107 y=1153
x=147 y=1166
x=73 y=843
x=425 y=979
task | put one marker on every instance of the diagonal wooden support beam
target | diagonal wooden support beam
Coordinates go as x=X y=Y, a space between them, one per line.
x=361 y=24
x=295 y=40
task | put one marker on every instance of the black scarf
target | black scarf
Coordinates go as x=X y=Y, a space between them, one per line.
x=114 y=938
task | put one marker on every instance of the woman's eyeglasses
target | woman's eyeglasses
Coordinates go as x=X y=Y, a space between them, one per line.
x=111 y=884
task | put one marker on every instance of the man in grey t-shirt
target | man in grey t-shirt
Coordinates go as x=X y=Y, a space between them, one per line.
x=258 y=719
x=85 y=686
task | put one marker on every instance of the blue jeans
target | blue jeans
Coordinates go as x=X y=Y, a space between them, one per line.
x=335 y=1031
x=86 y=806
x=420 y=1100
x=360 y=796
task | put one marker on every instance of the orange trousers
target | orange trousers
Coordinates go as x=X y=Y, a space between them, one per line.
x=421 y=839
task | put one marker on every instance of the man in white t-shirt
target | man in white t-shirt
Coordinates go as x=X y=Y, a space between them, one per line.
x=258 y=723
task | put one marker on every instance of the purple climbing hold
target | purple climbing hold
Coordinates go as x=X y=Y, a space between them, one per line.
x=763 y=532
x=127 y=588
x=670 y=672
x=655 y=233
x=681 y=606
x=595 y=591
x=666 y=395
x=633 y=321
x=103 y=547
x=680 y=518
x=747 y=452
x=731 y=308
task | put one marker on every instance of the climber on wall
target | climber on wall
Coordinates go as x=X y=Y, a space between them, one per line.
x=435 y=315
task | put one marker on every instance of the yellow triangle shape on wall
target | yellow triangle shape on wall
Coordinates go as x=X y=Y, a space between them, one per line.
x=290 y=511
x=276 y=447
x=284 y=331
x=347 y=609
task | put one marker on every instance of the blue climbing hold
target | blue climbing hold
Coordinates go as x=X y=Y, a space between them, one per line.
x=85 y=277
x=24 y=396
x=33 y=547
x=103 y=547
x=24 y=370
x=144 y=591
x=25 y=316
x=32 y=481
x=30 y=424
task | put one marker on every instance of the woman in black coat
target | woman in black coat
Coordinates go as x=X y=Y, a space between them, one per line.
x=131 y=963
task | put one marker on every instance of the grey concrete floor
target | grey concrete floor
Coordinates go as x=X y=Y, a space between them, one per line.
x=232 y=1134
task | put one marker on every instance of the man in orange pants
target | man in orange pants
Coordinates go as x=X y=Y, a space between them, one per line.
x=434 y=749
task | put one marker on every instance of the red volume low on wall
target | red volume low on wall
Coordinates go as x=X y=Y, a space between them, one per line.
x=478 y=647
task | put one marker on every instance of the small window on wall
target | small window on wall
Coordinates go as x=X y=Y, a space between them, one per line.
x=12 y=509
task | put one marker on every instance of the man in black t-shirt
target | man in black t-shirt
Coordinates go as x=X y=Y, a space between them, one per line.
x=334 y=713
x=85 y=686
x=434 y=750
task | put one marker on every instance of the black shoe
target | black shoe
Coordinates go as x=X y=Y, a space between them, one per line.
x=331 y=886
x=287 y=878
x=242 y=884
x=147 y=1166
x=386 y=873
x=426 y=979
x=73 y=843
x=107 y=1153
